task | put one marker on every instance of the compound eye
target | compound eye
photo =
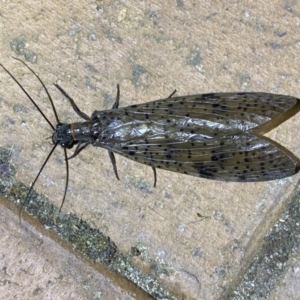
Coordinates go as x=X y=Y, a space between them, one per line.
x=54 y=138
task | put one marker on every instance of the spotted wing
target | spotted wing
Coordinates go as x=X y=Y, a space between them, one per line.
x=214 y=136
x=237 y=157
x=226 y=112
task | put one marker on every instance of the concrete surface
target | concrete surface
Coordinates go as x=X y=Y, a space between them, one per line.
x=38 y=266
x=150 y=49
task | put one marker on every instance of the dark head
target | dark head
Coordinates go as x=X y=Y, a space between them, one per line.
x=63 y=136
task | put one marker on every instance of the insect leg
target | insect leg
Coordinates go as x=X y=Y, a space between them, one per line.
x=116 y=104
x=113 y=161
x=67 y=180
x=110 y=153
x=155 y=176
x=80 y=146
x=172 y=94
x=74 y=106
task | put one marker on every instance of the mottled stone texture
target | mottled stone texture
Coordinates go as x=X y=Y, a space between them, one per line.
x=195 y=237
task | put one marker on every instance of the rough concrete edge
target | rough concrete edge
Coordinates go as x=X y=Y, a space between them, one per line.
x=270 y=261
x=73 y=230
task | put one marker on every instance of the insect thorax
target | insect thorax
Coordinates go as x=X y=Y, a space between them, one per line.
x=69 y=134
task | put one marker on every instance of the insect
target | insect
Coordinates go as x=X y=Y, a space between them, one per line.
x=215 y=136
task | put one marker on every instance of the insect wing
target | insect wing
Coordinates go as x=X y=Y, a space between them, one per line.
x=210 y=135
x=226 y=112
x=238 y=157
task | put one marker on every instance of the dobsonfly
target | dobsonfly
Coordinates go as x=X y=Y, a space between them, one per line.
x=215 y=136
